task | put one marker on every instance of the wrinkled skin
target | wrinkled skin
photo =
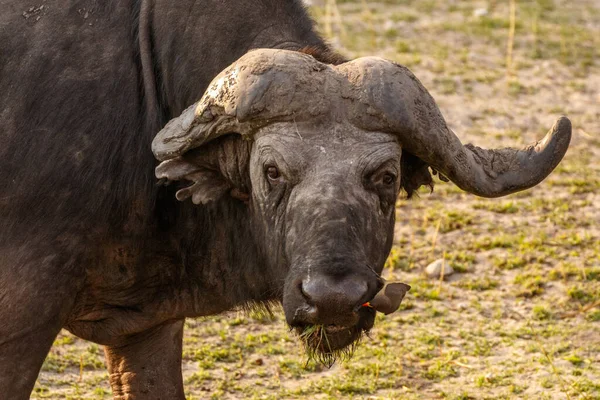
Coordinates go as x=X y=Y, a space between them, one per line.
x=330 y=215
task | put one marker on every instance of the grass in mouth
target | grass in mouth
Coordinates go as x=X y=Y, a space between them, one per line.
x=318 y=348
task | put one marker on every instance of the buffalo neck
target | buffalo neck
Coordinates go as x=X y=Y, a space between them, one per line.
x=220 y=259
x=186 y=45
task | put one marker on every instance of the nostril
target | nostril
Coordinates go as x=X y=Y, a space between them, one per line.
x=359 y=290
x=364 y=294
x=305 y=295
x=311 y=314
x=370 y=292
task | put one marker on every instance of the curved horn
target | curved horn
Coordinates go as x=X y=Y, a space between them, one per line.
x=267 y=86
x=391 y=99
x=262 y=87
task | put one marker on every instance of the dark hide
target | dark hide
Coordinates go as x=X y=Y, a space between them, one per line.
x=88 y=241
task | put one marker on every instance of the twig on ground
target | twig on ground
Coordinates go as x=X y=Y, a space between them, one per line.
x=435 y=235
x=511 y=38
x=458 y=363
x=581 y=310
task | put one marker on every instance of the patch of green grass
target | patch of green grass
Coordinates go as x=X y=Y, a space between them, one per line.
x=509 y=261
x=582 y=295
x=404 y=17
x=578 y=185
x=440 y=370
x=478 y=284
x=398 y=259
x=593 y=316
x=460 y=260
x=403 y=46
x=541 y=313
x=449 y=220
x=575 y=360
x=500 y=207
x=530 y=285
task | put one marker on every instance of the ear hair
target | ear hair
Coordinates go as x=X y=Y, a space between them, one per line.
x=415 y=173
x=208 y=185
x=214 y=169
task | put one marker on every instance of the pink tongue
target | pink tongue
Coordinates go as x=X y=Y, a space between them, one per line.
x=389 y=297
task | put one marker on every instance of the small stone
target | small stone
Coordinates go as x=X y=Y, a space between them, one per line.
x=388 y=25
x=434 y=270
x=480 y=12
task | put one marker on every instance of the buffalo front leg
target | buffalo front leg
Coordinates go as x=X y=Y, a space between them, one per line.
x=36 y=296
x=147 y=365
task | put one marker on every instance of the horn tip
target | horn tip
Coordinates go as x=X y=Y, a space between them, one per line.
x=563 y=126
x=560 y=133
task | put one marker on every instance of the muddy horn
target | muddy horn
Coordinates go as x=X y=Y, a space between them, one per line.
x=263 y=87
x=392 y=99
x=267 y=86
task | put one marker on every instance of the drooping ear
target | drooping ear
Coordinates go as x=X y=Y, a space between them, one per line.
x=216 y=169
x=208 y=185
x=414 y=174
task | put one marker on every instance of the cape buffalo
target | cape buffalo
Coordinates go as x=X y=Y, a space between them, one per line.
x=293 y=157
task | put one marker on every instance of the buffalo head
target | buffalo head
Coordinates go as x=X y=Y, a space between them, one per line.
x=330 y=148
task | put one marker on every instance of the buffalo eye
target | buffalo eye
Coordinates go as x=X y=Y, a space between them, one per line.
x=273 y=174
x=388 y=179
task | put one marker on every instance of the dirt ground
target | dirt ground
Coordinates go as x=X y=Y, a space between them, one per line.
x=520 y=318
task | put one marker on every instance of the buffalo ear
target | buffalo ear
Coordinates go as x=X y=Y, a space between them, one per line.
x=207 y=186
x=214 y=170
x=415 y=173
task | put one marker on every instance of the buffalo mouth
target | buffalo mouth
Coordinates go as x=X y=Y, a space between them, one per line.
x=326 y=344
